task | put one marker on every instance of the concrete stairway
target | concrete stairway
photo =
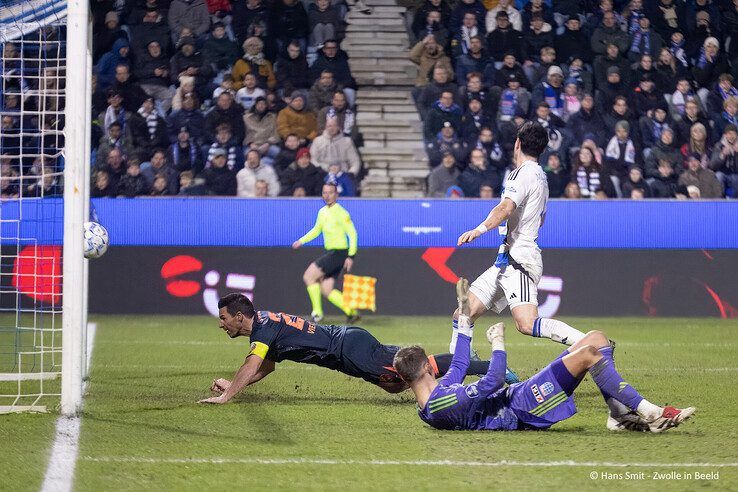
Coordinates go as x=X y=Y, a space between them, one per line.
x=393 y=153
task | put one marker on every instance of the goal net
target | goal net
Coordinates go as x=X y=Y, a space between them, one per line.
x=33 y=167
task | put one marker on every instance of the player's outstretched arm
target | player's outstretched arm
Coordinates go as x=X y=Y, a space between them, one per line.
x=462 y=355
x=495 y=377
x=497 y=216
x=221 y=384
x=245 y=375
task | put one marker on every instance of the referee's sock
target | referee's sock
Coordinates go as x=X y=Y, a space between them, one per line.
x=315 y=299
x=336 y=298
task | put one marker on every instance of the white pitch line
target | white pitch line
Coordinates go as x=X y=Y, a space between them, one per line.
x=329 y=461
x=59 y=475
x=307 y=367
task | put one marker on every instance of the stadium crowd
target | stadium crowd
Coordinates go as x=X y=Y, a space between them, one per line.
x=638 y=96
x=216 y=97
x=256 y=98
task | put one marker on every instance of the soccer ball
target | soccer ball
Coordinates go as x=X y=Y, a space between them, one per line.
x=96 y=240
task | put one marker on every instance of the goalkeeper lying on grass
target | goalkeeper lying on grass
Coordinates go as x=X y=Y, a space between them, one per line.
x=536 y=403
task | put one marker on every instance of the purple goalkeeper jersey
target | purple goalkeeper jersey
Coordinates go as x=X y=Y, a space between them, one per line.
x=484 y=404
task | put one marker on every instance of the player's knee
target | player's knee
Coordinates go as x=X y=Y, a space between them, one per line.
x=590 y=353
x=524 y=326
x=597 y=338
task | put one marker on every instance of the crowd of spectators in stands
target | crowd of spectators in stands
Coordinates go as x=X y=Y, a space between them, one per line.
x=211 y=97
x=256 y=97
x=638 y=96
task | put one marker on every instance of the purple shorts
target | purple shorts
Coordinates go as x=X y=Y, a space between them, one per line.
x=540 y=401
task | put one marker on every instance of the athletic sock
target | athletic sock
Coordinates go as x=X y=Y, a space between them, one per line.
x=611 y=383
x=556 y=330
x=315 y=300
x=455 y=334
x=443 y=362
x=648 y=410
x=336 y=298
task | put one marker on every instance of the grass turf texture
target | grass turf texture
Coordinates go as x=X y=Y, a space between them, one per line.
x=148 y=372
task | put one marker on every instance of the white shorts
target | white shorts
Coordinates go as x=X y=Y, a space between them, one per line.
x=506 y=286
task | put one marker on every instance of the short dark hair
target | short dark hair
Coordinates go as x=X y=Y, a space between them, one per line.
x=235 y=303
x=533 y=138
x=409 y=362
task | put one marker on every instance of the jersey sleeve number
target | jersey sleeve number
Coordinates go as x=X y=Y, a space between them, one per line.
x=293 y=321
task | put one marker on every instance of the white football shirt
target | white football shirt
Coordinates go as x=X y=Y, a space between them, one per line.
x=528 y=188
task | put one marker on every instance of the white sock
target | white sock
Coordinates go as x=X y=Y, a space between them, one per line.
x=465 y=326
x=556 y=330
x=455 y=333
x=616 y=408
x=648 y=410
x=454 y=336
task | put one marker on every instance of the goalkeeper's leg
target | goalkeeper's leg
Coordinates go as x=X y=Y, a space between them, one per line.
x=593 y=354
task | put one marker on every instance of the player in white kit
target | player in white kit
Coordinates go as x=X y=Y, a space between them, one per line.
x=513 y=279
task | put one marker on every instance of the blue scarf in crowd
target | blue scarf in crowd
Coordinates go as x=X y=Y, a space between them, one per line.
x=677 y=50
x=730 y=119
x=732 y=92
x=175 y=154
x=556 y=101
x=639 y=37
x=508 y=102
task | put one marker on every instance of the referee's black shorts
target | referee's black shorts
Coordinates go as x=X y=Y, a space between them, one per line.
x=331 y=263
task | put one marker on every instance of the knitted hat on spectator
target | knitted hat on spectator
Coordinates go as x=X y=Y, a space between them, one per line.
x=711 y=41
x=302 y=152
x=513 y=77
x=730 y=128
x=218 y=151
x=111 y=17
x=296 y=94
x=613 y=70
x=448 y=124
x=501 y=14
x=662 y=104
x=694 y=155
x=623 y=124
x=555 y=70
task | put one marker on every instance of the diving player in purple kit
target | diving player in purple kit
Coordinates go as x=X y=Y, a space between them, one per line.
x=537 y=403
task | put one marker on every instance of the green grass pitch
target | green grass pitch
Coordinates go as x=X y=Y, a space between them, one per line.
x=143 y=430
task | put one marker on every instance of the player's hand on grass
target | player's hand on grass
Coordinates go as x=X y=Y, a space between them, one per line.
x=468 y=237
x=348 y=264
x=217 y=400
x=220 y=385
x=296 y=244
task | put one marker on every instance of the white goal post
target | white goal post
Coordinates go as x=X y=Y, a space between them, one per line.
x=45 y=153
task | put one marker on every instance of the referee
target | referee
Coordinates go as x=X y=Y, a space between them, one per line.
x=339 y=238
